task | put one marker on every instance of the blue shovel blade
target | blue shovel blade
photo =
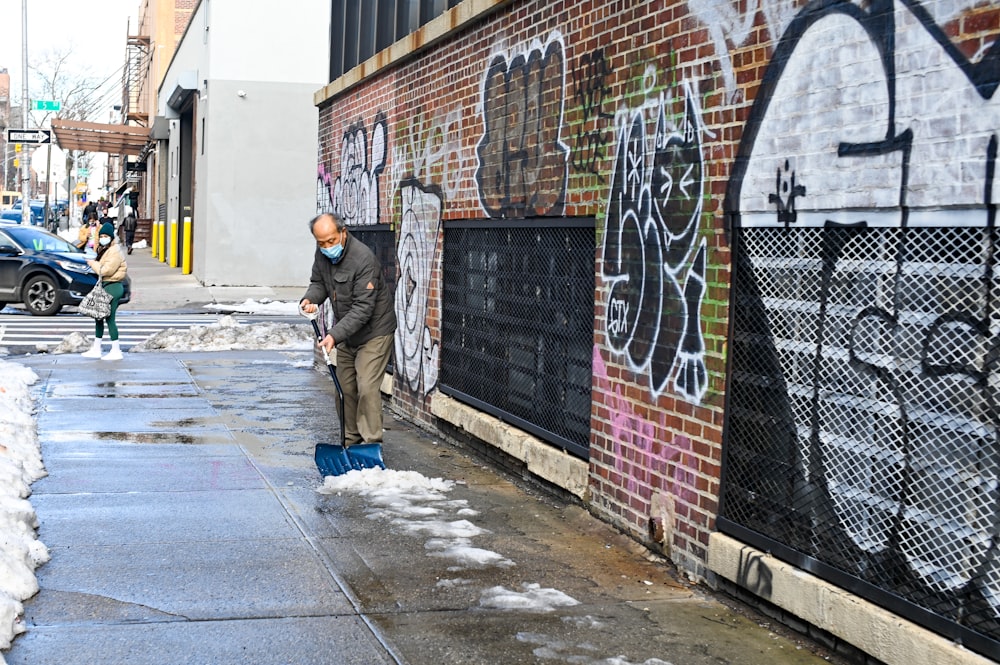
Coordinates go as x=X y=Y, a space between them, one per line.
x=366 y=456
x=332 y=460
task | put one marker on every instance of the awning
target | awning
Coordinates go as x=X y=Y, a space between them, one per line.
x=96 y=137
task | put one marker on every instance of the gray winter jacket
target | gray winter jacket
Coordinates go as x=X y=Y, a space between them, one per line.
x=361 y=301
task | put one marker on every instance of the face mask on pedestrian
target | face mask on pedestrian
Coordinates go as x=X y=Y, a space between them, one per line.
x=104 y=240
x=334 y=253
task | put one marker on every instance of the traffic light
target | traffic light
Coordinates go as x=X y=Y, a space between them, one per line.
x=17 y=163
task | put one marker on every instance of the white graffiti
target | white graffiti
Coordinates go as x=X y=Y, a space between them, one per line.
x=896 y=134
x=416 y=350
x=730 y=24
x=651 y=242
x=431 y=151
x=355 y=193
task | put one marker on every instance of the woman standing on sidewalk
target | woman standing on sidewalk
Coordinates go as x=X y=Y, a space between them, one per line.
x=110 y=265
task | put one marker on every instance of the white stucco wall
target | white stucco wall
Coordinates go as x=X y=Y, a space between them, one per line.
x=256 y=127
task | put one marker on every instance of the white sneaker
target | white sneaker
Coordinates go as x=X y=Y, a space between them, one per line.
x=114 y=354
x=94 y=351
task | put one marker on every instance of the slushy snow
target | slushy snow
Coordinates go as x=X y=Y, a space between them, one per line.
x=20 y=465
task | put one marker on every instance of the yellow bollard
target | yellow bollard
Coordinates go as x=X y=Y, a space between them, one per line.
x=163 y=243
x=186 y=262
x=173 y=245
x=154 y=235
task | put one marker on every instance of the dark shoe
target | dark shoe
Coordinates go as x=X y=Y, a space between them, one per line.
x=129 y=250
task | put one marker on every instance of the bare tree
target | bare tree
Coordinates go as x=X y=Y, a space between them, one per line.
x=58 y=75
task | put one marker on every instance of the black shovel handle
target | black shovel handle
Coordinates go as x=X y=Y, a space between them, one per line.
x=336 y=382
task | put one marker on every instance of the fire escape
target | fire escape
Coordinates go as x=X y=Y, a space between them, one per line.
x=134 y=103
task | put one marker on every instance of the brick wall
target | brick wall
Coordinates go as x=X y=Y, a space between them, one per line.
x=633 y=113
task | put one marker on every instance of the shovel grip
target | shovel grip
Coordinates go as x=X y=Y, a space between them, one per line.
x=333 y=375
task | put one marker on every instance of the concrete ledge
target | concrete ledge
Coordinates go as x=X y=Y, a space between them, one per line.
x=878 y=632
x=555 y=466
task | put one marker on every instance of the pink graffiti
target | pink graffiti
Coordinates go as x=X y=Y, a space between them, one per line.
x=642 y=460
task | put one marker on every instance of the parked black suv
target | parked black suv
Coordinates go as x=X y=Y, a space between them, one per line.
x=43 y=271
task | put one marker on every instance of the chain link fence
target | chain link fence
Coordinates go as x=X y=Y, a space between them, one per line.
x=862 y=433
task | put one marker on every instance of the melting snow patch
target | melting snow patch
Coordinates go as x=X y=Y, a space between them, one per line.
x=419 y=506
x=20 y=465
x=532 y=599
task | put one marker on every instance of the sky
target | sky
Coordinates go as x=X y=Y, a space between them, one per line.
x=94 y=30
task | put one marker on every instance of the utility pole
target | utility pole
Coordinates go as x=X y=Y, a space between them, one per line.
x=25 y=176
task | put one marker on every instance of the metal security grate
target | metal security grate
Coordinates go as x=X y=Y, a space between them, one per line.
x=381 y=239
x=518 y=324
x=863 y=420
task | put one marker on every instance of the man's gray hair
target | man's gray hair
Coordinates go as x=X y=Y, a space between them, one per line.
x=338 y=221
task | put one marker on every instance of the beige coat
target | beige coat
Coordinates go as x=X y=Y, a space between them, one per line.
x=111 y=265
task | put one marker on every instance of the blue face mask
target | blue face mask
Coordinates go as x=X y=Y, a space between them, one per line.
x=334 y=253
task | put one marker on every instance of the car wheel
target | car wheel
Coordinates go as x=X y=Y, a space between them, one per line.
x=40 y=296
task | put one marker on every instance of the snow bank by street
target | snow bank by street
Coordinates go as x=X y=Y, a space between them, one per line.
x=20 y=465
x=251 y=306
x=229 y=335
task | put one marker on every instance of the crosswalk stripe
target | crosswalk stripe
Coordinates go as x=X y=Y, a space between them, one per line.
x=133 y=328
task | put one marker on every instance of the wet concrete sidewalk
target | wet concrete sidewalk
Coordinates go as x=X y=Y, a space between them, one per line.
x=184 y=524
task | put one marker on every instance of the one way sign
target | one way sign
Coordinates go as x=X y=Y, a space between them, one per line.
x=29 y=135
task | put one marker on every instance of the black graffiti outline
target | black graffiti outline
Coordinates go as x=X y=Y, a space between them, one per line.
x=591 y=143
x=356 y=190
x=877 y=21
x=649 y=238
x=507 y=174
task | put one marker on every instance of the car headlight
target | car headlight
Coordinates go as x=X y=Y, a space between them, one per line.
x=73 y=266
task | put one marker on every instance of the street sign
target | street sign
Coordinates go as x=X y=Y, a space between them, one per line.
x=29 y=135
x=82 y=173
x=46 y=105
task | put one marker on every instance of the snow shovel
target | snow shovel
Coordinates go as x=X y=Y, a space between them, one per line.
x=336 y=460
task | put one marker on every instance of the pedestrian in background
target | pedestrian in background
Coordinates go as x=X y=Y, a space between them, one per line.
x=86 y=238
x=347 y=272
x=111 y=267
x=91 y=207
x=129 y=225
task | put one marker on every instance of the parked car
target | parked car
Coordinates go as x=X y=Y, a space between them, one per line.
x=43 y=271
x=37 y=215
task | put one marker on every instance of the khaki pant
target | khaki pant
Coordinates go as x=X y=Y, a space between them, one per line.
x=360 y=370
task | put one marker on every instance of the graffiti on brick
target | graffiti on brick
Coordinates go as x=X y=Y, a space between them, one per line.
x=640 y=453
x=865 y=310
x=523 y=163
x=429 y=149
x=730 y=23
x=420 y=221
x=354 y=194
x=590 y=94
x=654 y=267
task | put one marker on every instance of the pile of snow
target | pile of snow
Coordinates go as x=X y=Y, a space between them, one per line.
x=419 y=506
x=72 y=343
x=20 y=465
x=251 y=306
x=227 y=334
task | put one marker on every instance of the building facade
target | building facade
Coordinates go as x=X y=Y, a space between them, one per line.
x=724 y=271
x=235 y=131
